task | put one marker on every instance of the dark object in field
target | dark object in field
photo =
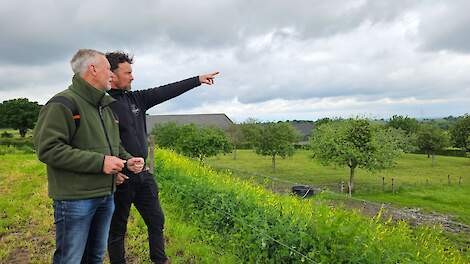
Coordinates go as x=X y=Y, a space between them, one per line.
x=303 y=190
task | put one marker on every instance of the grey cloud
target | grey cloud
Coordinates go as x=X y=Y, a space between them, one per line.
x=265 y=49
x=43 y=31
x=445 y=26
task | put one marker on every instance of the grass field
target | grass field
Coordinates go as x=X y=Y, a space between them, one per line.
x=417 y=183
x=27 y=229
x=27 y=224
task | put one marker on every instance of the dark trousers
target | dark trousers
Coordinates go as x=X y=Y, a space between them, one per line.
x=141 y=190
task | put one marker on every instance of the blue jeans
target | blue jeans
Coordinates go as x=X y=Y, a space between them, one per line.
x=82 y=228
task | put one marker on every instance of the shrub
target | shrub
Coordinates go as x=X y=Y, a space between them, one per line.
x=17 y=142
x=5 y=134
x=7 y=150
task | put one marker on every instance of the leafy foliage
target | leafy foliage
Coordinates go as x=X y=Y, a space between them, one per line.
x=407 y=124
x=357 y=144
x=461 y=133
x=19 y=114
x=276 y=139
x=166 y=134
x=236 y=137
x=432 y=139
x=201 y=142
x=250 y=130
x=192 y=141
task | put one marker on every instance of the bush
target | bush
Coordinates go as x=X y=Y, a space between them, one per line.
x=5 y=134
x=26 y=149
x=191 y=140
x=447 y=152
x=251 y=220
x=17 y=142
x=7 y=150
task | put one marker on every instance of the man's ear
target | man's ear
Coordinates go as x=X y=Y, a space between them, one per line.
x=92 y=69
x=114 y=77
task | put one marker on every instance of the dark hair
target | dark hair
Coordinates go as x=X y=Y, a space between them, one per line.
x=117 y=57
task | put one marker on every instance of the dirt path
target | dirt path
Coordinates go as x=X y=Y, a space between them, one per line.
x=414 y=216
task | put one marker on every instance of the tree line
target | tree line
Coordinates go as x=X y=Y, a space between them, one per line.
x=353 y=143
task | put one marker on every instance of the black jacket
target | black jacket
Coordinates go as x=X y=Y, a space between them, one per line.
x=130 y=110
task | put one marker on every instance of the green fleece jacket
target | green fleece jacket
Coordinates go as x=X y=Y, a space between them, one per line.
x=75 y=157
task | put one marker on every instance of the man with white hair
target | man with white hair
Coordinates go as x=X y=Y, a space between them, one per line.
x=77 y=137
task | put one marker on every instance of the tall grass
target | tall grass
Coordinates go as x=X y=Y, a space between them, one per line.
x=27 y=223
x=261 y=227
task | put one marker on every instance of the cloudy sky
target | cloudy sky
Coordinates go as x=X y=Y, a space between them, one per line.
x=297 y=59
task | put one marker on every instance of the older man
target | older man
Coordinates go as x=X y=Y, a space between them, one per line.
x=77 y=137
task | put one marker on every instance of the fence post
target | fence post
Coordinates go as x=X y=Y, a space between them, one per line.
x=151 y=154
x=393 y=186
x=448 y=179
x=383 y=184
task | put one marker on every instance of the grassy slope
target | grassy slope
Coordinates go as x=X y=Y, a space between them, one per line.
x=325 y=233
x=27 y=229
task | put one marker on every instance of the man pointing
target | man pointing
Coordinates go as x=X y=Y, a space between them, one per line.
x=139 y=189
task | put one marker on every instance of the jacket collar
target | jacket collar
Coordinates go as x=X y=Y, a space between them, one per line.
x=89 y=93
x=116 y=91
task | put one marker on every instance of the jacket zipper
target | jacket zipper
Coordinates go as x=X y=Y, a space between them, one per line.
x=100 y=111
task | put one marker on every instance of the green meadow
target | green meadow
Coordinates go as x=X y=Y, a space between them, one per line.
x=215 y=217
x=416 y=182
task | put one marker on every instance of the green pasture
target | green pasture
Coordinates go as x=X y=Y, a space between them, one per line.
x=416 y=182
x=27 y=229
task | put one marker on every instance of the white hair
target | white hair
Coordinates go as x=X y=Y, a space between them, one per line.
x=82 y=59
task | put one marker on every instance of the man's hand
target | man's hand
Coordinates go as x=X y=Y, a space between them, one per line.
x=208 y=78
x=120 y=178
x=113 y=165
x=135 y=164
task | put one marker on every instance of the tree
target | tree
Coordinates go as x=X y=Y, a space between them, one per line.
x=166 y=134
x=250 y=130
x=322 y=121
x=357 y=144
x=201 y=142
x=461 y=132
x=191 y=140
x=407 y=124
x=432 y=139
x=236 y=137
x=276 y=139
x=19 y=114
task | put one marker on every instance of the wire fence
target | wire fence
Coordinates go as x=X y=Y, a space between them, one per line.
x=383 y=184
